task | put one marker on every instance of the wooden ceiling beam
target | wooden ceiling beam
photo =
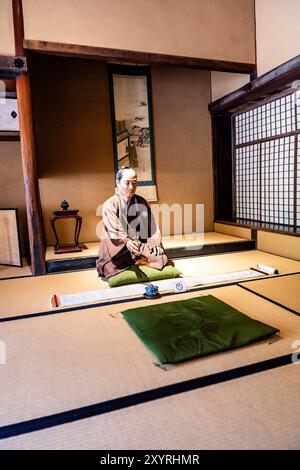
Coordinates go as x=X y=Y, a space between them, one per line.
x=136 y=57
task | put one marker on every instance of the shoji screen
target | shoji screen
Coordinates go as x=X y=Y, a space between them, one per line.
x=266 y=150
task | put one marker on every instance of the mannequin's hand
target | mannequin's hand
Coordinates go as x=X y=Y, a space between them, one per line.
x=133 y=246
x=156 y=250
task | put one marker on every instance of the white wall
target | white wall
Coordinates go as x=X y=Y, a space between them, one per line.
x=223 y=83
x=212 y=29
x=279 y=244
x=6 y=28
x=277 y=32
x=277 y=40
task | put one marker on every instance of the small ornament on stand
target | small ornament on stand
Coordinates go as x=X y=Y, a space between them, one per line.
x=64 y=205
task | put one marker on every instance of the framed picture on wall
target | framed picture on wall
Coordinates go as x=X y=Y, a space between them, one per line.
x=10 y=247
x=130 y=91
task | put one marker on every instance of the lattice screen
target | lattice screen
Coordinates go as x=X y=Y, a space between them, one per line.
x=266 y=150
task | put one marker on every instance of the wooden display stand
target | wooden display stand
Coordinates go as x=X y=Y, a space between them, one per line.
x=65 y=215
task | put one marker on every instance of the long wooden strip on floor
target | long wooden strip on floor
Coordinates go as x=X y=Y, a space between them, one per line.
x=260 y=411
x=58 y=363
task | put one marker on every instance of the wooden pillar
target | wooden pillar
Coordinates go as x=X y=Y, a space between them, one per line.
x=32 y=194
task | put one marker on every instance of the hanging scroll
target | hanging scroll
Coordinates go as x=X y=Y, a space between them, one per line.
x=132 y=125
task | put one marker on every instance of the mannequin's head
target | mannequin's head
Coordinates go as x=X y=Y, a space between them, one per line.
x=126 y=180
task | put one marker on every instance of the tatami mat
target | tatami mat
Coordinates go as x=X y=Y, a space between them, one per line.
x=92 y=249
x=32 y=294
x=15 y=271
x=261 y=411
x=284 y=290
x=58 y=363
x=197 y=239
x=229 y=262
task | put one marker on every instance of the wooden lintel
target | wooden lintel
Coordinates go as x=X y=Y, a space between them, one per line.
x=136 y=57
x=272 y=82
x=12 y=66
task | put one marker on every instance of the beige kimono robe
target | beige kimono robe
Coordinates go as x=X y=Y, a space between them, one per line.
x=121 y=222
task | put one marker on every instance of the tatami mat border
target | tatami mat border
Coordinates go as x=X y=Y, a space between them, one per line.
x=269 y=299
x=116 y=404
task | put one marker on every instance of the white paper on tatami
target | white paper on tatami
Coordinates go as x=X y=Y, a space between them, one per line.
x=135 y=290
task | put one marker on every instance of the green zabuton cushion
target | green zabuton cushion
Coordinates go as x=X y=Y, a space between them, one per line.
x=129 y=276
x=168 y=272
x=176 y=331
x=142 y=274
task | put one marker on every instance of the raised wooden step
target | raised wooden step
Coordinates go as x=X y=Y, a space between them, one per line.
x=175 y=246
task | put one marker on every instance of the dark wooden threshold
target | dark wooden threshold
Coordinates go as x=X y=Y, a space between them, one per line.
x=70 y=264
x=136 y=57
x=211 y=249
x=74 y=264
x=263 y=87
x=263 y=227
x=9 y=135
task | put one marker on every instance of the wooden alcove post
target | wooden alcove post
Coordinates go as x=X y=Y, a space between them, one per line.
x=32 y=194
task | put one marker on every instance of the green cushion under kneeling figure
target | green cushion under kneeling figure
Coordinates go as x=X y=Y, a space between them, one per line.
x=168 y=272
x=129 y=276
x=143 y=273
